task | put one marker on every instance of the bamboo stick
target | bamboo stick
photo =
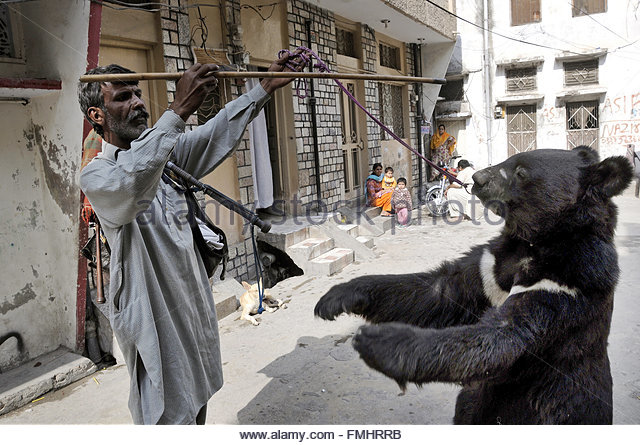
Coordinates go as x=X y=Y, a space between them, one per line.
x=128 y=77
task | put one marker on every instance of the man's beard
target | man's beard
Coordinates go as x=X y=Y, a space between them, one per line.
x=128 y=129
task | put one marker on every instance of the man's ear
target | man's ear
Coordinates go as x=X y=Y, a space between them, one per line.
x=96 y=115
x=611 y=176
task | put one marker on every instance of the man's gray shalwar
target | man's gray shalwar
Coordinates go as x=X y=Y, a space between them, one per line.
x=161 y=305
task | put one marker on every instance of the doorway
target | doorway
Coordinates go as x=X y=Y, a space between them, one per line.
x=582 y=124
x=354 y=159
x=521 y=128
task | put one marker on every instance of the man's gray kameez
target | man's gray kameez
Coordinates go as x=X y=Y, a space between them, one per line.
x=161 y=305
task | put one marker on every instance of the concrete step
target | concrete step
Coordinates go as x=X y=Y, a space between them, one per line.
x=310 y=248
x=367 y=241
x=375 y=226
x=351 y=229
x=285 y=236
x=31 y=380
x=331 y=262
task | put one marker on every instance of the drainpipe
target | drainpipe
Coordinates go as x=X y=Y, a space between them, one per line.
x=417 y=63
x=314 y=125
x=487 y=78
x=95 y=20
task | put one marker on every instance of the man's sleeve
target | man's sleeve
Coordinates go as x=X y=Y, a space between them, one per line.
x=119 y=190
x=203 y=149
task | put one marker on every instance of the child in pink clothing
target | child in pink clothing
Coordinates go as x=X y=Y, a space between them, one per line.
x=401 y=202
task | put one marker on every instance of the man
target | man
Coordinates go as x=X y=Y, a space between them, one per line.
x=442 y=147
x=457 y=195
x=161 y=305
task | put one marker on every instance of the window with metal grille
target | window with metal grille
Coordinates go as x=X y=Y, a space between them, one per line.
x=521 y=129
x=586 y=7
x=391 y=114
x=7 y=46
x=581 y=73
x=452 y=90
x=345 y=42
x=525 y=11
x=521 y=79
x=390 y=56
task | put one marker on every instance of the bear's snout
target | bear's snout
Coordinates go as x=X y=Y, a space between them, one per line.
x=482 y=177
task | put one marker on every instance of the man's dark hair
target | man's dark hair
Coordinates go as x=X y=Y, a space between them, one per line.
x=403 y=180
x=90 y=93
x=388 y=169
x=463 y=163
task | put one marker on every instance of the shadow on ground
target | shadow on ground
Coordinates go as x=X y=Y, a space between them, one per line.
x=323 y=381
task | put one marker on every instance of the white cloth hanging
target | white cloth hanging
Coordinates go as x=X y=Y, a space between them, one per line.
x=260 y=160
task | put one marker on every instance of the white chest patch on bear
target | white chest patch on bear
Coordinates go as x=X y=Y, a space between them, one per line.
x=545 y=285
x=492 y=290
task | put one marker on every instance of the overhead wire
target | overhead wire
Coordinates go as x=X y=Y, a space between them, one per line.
x=497 y=33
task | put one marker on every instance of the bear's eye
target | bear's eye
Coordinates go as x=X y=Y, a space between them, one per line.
x=521 y=173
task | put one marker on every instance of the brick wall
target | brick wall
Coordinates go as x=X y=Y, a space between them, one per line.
x=176 y=48
x=369 y=64
x=327 y=108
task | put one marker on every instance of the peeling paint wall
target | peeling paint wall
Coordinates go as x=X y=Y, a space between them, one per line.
x=41 y=153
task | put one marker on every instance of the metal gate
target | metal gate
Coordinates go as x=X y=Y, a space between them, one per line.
x=521 y=128
x=582 y=124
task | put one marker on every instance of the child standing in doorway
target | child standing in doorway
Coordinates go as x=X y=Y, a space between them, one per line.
x=401 y=202
x=388 y=182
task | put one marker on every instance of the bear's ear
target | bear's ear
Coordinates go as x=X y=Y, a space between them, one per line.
x=610 y=177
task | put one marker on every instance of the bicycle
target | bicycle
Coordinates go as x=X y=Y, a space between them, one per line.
x=435 y=198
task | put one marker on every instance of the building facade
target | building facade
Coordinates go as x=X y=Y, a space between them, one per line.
x=321 y=148
x=574 y=81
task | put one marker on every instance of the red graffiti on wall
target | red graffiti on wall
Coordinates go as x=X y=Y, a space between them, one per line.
x=550 y=113
x=629 y=105
x=620 y=132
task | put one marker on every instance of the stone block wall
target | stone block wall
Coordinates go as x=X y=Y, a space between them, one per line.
x=323 y=38
x=369 y=64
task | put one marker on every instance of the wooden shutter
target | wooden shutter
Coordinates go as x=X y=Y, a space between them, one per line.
x=525 y=11
x=521 y=79
x=584 y=7
x=581 y=73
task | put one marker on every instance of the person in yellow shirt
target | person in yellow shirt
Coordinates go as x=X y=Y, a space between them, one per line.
x=442 y=147
x=388 y=182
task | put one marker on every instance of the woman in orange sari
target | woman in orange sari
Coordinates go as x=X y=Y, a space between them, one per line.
x=376 y=196
x=442 y=147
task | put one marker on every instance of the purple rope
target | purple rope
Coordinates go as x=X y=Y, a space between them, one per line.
x=306 y=60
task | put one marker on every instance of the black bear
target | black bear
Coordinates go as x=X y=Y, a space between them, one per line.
x=520 y=322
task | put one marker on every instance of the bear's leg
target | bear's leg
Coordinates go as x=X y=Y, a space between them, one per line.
x=452 y=294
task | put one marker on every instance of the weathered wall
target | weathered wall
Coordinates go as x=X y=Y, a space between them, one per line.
x=41 y=151
x=619 y=107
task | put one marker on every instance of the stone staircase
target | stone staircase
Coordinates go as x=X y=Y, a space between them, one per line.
x=327 y=247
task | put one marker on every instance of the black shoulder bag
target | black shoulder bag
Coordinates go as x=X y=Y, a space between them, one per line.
x=211 y=257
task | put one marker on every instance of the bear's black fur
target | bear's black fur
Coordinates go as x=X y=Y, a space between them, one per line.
x=522 y=321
